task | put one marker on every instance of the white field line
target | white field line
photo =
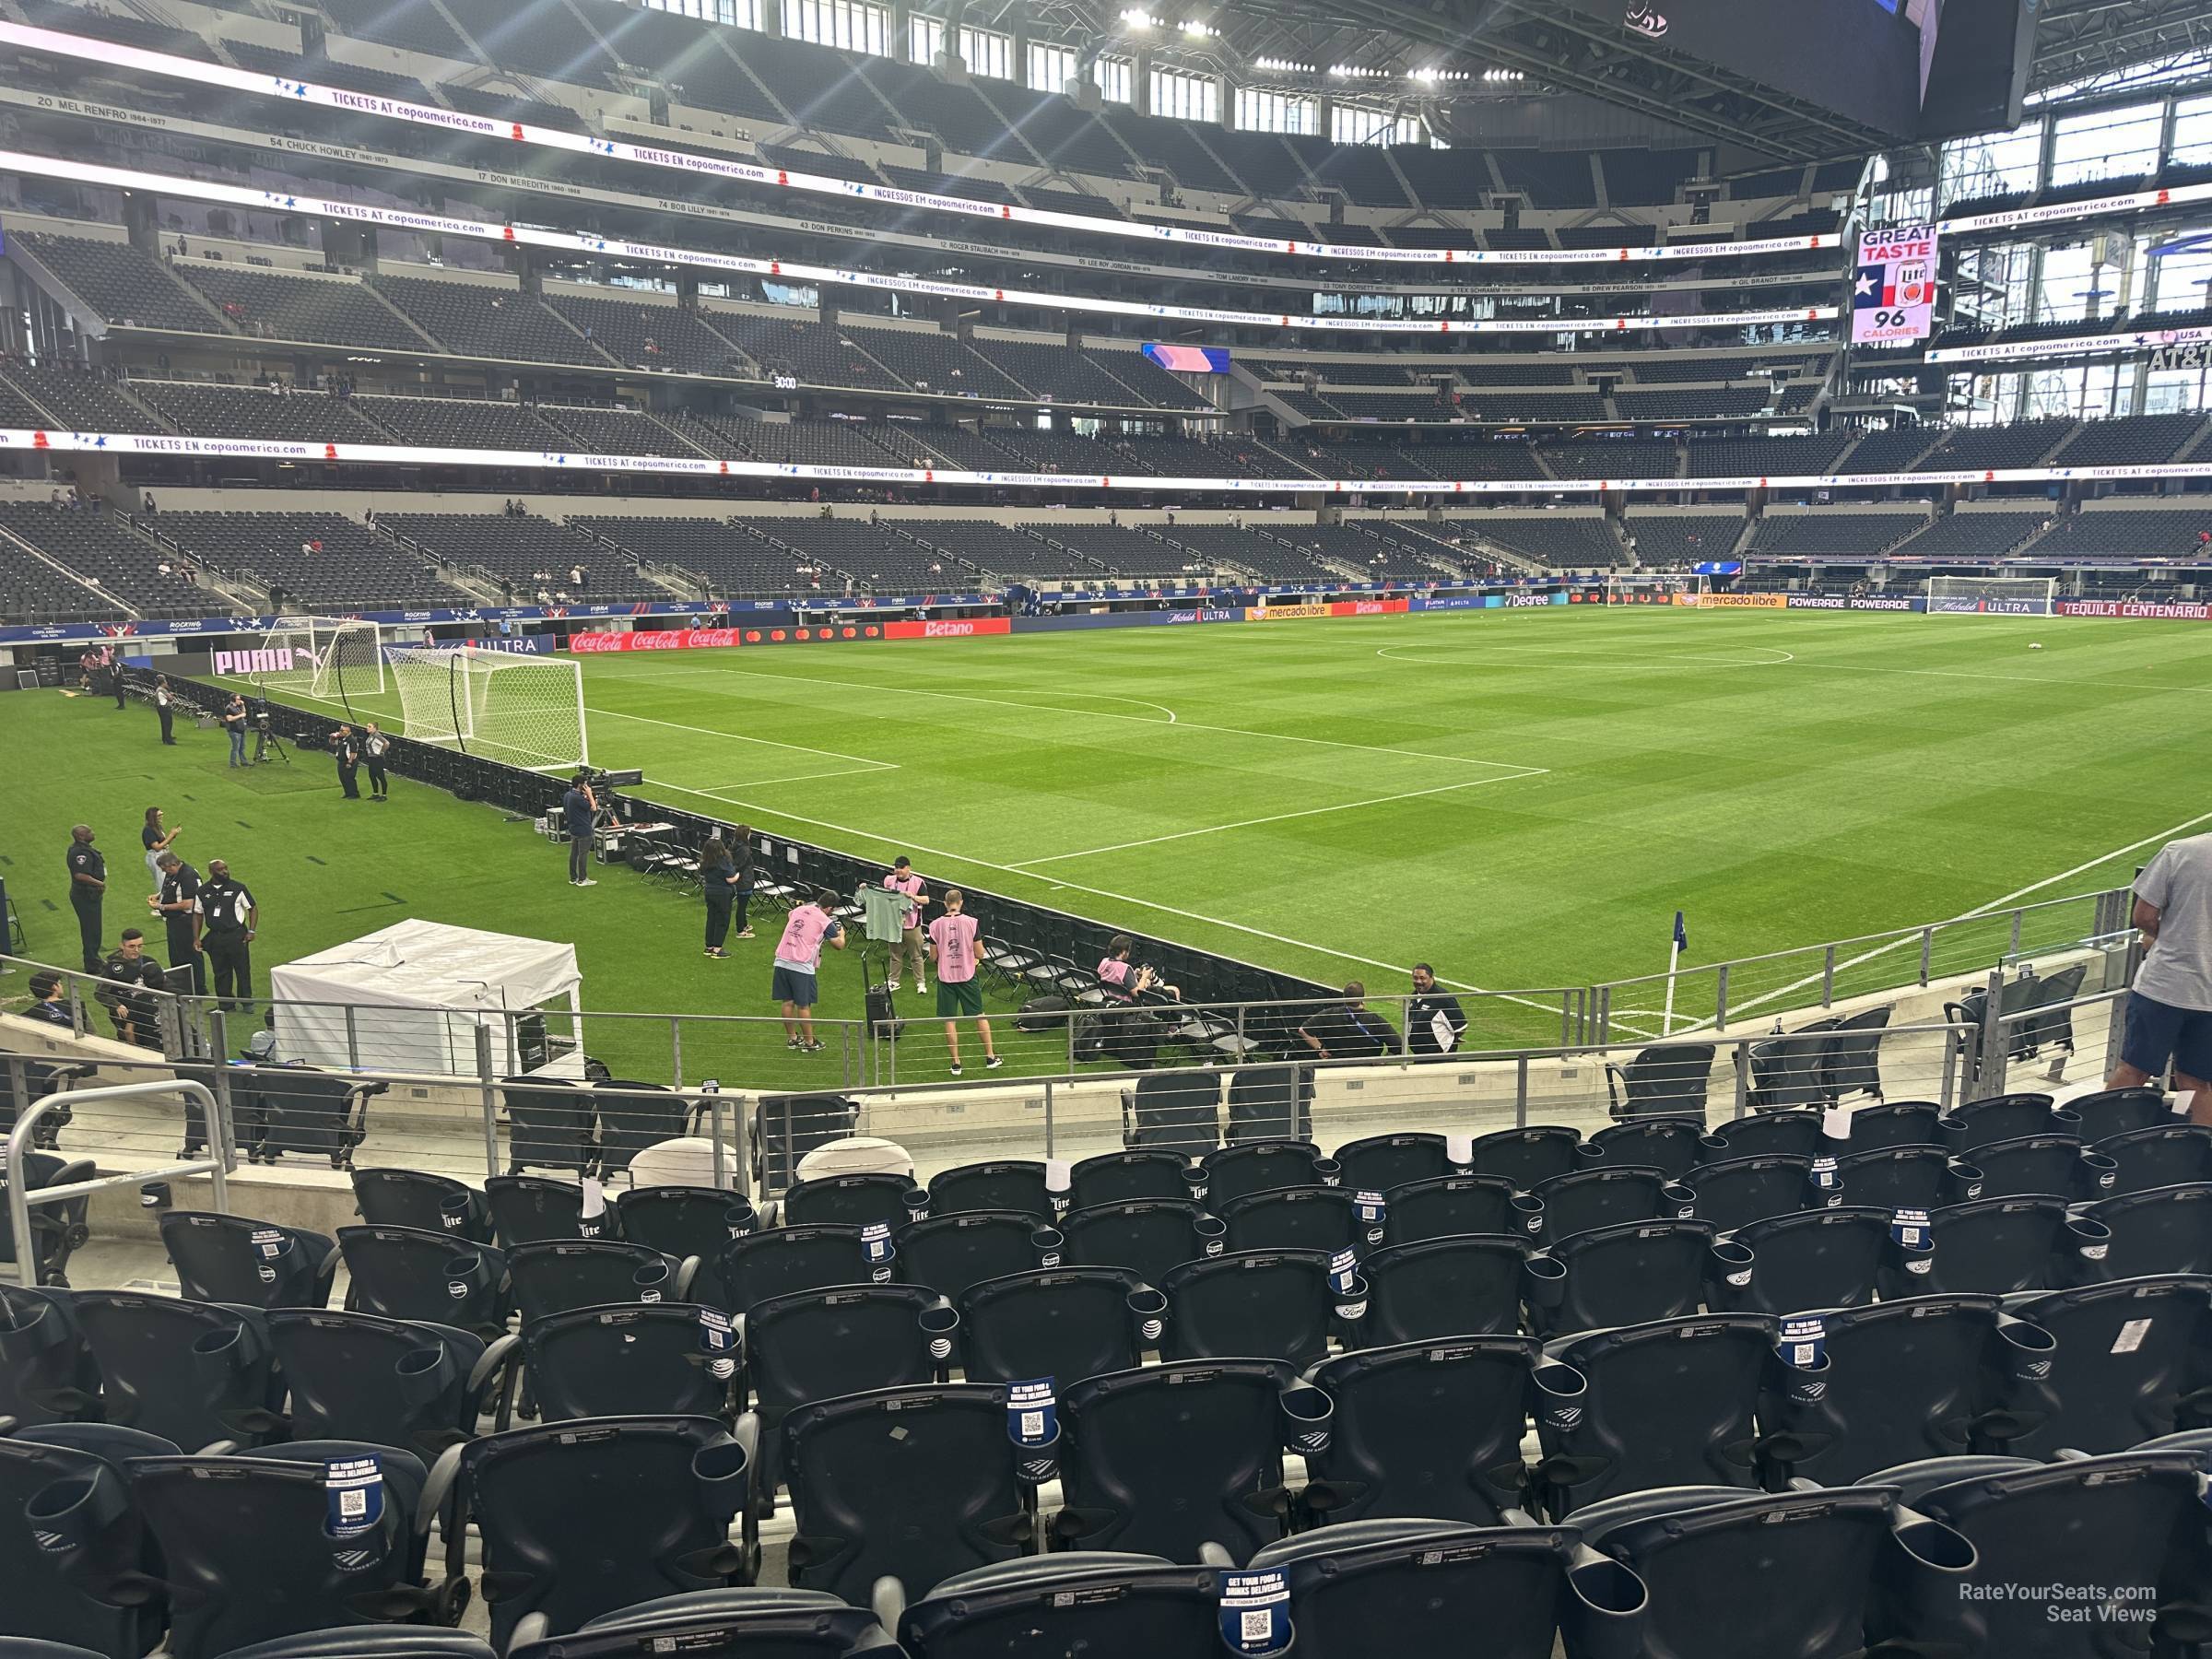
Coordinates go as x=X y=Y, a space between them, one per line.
x=2161 y=837
x=861 y=762
x=1180 y=725
x=716 y=791
x=1153 y=841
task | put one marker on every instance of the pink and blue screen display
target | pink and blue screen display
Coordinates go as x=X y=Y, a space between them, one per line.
x=1189 y=359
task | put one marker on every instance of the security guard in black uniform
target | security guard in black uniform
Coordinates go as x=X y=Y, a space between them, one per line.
x=127 y=977
x=348 y=749
x=162 y=706
x=87 y=882
x=224 y=929
x=176 y=904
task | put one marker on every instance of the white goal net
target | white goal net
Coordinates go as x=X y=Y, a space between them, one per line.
x=1991 y=596
x=507 y=706
x=1649 y=587
x=326 y=657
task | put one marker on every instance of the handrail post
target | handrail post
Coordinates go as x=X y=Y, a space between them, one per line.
x=353 y=1039
x=1520 y=1092
x=1989 y=1068
x=741 y=1131
x=675 y=1050
x=2017 y=916
x=1927 y=954
x=486 y=1083
x=715 y=1131
x=1048 y=1118
x=1720 y=1000
x=219 y=1028
x=1828 y=977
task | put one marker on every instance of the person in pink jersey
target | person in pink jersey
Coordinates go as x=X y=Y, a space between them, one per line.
x=952 y=942
x=902 y=879
x=798 y=954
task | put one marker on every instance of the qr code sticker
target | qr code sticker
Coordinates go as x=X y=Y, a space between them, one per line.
x=1256 y=1626
x=353 y=1505
x=1032 y=1424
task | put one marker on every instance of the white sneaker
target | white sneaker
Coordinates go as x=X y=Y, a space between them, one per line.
x=1646 y=22
x=890 y=984
x=956 y=1071
x=993 y=1064
x=587 y=881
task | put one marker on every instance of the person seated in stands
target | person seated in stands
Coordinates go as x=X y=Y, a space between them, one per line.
x=125 y=979
x=1129 y=982
x=1348 y=1029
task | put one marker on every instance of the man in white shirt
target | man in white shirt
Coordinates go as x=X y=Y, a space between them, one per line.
x=2169 y=1010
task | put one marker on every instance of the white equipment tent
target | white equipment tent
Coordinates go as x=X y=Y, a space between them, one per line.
x=411 y=997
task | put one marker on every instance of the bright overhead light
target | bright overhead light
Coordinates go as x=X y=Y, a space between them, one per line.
x=1138 y=20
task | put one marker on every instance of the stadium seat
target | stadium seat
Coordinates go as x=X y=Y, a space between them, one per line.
x=372 y=1642
x=2043 y=1163
x=1896 y=1123
x=553 y=1278
x=1795 y=1134
x=780 y=1261
x=1528 y=1157
x=187 y=1372
x=1173 y=1458
x=1380 y=1162
x=1665 y=1403
x=1524 y=1587
x=1628 y=1272
x=1295 y=1217
x=2165 y=1230
x=1788 y=1575
x=1268 y=1102
x=1274 y=1304
x=853 y=1201
x=1148 y=1236
x=687 y=1221
x=547 y=1128
x=1906 y=1177
x=1088 y=1602
x=313 y=1114
x=787 y=1128
x=532 y=1209
x=2129 y=1365
x=912 y=1485
x=1001 y=1184
x=2101 y=1529
x=250 y=1548
x=631 y=1116
x=1259 y=1166
x=1667 y=1080
x=1735 y=1192
x=1114 y=1177
x=577 y=1520
x=2168 y=1154
x=1463 y=1285
x=2111 y=1111
x=1062 y=1323
x=1606 y=1194
x=58 y=1228
x=1670 y=1145
x=1423 y=1429
x=403 y=1273
x=1459 y=1203
x=77 y=1543
x=649 y=1359
x=427 y=1203
x=255 y=1264
x=1823 y=1258
x=948 y=1253
x=1968 y=1128
x=1852 y=1063
x=1993 y=1245
x=777 y=1624
x=1792 y=1070
x=1919 y=1377
x=413 y=1384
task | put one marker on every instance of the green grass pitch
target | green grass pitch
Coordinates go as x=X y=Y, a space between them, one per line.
x=1522 y=797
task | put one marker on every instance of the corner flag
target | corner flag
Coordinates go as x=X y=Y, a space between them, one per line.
x=1681 y=934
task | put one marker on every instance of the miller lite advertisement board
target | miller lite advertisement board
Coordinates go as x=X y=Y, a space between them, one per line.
x=1893 y=289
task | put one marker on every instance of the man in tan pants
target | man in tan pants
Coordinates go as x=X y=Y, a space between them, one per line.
x=902 y=879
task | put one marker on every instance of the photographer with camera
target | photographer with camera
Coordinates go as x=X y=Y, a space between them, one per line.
x=578 y=811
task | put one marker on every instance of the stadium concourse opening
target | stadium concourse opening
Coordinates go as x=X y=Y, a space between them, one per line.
x=1575 y=958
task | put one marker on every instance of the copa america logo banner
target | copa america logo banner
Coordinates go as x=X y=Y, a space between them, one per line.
x=1893 y=289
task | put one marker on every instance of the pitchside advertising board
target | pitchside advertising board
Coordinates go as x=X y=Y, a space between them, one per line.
x=1893 y=289
x=1967 y=605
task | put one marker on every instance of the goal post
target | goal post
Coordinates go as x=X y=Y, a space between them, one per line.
x=1992 y=595
x=1654 y=587
x=306 y=654
x=514 y=707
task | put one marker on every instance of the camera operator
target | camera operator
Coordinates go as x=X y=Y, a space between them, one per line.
x=125 y=977
x=224 y=928
x=264 y=735
x=579 y=809
x=234 y=727
x=176 y=904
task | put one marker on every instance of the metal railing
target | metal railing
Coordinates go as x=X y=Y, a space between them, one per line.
x=1709 y=995
x=749 y=1141
x=22 y=1197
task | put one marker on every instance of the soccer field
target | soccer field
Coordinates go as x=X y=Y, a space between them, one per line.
x=1522 y=797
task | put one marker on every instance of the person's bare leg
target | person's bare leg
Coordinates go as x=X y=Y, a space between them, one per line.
x=806 y=1025
x=2124 y=1075
x=2199 y=1094
x=982 y=1030
x=791 y=1030
x=952 y=1038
